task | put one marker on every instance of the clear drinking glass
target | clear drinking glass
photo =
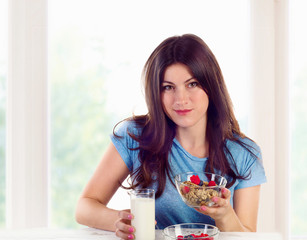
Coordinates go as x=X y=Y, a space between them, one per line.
x=143 y=210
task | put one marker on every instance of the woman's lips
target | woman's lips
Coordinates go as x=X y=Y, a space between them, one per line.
x=183 y=112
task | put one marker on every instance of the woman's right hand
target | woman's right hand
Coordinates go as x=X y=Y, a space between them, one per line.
x=124 y=230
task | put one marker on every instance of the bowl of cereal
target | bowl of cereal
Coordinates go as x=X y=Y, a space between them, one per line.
x=191 y=231
x=198 y=188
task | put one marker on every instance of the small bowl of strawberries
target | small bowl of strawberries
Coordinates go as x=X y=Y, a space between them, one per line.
x=189 y=231
x=198 y=188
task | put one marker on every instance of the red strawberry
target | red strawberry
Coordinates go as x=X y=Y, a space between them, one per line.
x=211 y=184
x=180 y=237
x=195 y=179
x=186 y=189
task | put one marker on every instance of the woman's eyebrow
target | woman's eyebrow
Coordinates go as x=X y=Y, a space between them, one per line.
x=189 y=79
x=165 y=81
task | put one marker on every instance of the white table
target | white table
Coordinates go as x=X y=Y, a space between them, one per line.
x=95 y=234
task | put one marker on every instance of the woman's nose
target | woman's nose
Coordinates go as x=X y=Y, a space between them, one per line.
x=181 y=96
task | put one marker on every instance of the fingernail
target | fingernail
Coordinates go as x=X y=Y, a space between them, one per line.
x=214 y=199
x=129 y=216
x=130 y=236
x=224 y=190
x=203 y=208
x=131 y=229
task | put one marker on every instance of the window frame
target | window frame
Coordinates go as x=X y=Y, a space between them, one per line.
x=270 y=108
x=27 y=115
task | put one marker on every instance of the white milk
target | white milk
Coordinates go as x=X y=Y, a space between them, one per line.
x=143 y=210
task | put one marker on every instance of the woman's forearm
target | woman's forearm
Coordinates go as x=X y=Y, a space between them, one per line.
x=231 y=223
x=92 y=213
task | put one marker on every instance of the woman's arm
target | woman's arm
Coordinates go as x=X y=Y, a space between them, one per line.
x=92 y=207
x=242 y=217
x=246 y=204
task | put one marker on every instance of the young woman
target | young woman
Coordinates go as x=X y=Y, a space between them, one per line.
x=190 y=126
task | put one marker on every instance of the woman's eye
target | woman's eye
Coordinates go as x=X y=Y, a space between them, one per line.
x=167 y=87
x=193 y=84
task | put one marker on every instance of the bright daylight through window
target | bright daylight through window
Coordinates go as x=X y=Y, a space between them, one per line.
x=298 y=116
x=3 y=77
x=95 y=60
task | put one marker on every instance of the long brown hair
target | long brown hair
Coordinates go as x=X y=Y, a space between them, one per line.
x=158 y=131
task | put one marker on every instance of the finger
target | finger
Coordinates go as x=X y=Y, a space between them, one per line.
x=226 y=193
x=220 y=202
x=123 y=227
x=206 y=210
x=125 y=215
x=198 y=209
x=123 y=235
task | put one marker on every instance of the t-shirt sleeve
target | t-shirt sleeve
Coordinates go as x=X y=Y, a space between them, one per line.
x=124 y=143
x=254 y=167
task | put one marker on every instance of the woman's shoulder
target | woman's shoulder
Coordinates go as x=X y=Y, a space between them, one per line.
x=127 y=127
x=243 y=145
x=246 y=160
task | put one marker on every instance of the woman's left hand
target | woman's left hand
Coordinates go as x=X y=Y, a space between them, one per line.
x=222 y=207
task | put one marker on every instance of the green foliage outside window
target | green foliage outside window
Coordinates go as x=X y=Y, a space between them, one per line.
x=3 y=77
x=2 y=147
x=299 y=154
x=80 y=124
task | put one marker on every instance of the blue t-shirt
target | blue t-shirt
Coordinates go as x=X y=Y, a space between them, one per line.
x=170 y=209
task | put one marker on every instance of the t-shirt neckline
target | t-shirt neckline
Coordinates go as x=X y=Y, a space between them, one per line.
x=188 y=154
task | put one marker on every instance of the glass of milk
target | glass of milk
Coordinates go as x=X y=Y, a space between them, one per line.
x=143 y=209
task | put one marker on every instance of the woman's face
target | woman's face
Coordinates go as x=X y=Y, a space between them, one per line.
x=183 y=99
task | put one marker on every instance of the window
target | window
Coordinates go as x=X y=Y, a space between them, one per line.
x=298 y=115
x=3 y=77
x=96 y=53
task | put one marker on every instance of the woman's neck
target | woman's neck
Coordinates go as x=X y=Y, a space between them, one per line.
x=194 y=142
